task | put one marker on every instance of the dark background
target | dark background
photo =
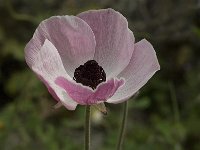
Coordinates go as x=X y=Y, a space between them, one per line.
x=165 y=115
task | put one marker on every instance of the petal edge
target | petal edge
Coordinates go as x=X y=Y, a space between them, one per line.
x=142 y=67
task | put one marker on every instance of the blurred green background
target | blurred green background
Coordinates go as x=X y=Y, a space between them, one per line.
x=165 y=115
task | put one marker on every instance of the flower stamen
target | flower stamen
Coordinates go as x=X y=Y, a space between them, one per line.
x=90 y=74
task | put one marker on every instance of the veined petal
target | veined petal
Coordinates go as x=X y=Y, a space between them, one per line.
x=86 y=96
x=114 y=41
x=143 y=65
x=47 y=65
x=72 y=37
x=50 y=89
x=107 y=90
x=75 y=90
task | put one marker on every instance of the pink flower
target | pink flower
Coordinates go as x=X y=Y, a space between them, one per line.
x=90 y=58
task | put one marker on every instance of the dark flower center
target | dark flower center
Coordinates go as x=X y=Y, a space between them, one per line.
x=90 y=74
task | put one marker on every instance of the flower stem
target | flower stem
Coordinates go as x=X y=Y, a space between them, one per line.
x=123 y=126
x=87 y=127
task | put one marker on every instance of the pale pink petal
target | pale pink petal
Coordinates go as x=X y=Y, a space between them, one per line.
x=76 y=91
x=114 y=41
x=107 y=90
x=54 y=95
x=51 y=91
x=72 y=37
x=141 y=68
x=47 y=65
x=86 y=96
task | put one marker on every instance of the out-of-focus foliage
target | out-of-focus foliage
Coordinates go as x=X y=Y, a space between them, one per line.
x=166 y=115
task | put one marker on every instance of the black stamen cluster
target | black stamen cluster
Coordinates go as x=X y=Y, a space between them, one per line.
x=90 y=74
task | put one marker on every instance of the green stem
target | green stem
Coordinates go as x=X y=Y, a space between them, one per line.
x=177 y=121
x=123 y=126
x=174 y=103
x=87 y=127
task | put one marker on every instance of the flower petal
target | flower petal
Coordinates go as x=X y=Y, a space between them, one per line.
x=72 y=37
x=76 y=91
x=106 y=90
x=114 y=41
x=47 y=65
x=141 y=68
x=86 y=96
x=50 y=89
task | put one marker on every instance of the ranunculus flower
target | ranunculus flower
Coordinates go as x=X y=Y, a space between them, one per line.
x=90 y=58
